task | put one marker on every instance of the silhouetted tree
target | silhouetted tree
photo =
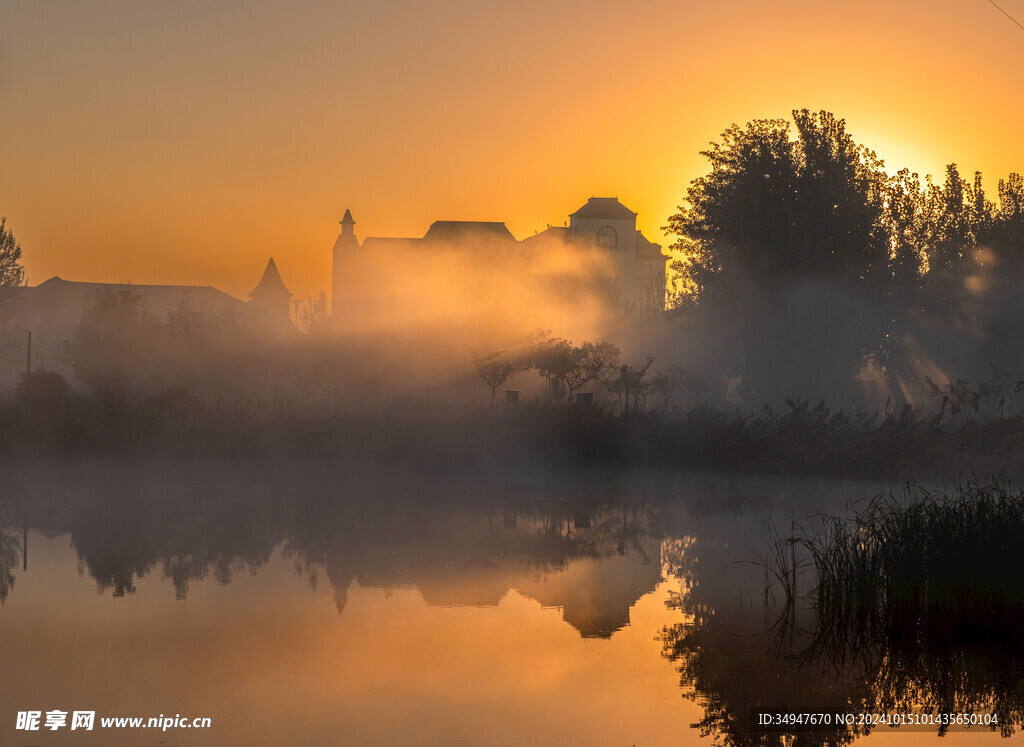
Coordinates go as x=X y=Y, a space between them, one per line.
x=495 y=370
x=780 y=208
x=551 y=357
x=797 y=234
x=567 y=367
x=1005 y=233
x=587 y=362
x=668 y=380
x=312 y=315
x=956 y=214
x=628 y=381
x=742 y=206
x=839 y=191
x=907 y=224
x=12 y=273
x=186 y=320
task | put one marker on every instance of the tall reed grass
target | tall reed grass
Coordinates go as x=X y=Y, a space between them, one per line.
x=920 y=594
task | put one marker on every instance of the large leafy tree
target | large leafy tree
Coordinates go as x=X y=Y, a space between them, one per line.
x=797 y=240
x=1004 y=232
x=781 y=206
x=783 y=243
x=11 y=270
x=745 y=203
x=840 y=198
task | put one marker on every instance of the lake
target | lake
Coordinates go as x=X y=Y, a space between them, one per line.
x=319 y=603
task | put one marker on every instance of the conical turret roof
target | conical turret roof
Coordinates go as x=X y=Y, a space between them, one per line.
x=271 y=281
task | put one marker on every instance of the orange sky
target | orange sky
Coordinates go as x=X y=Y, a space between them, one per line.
x=188 y=142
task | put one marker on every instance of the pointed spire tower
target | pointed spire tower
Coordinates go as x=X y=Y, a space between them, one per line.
x=271 y=297
x=344 y=252
x=347 y=221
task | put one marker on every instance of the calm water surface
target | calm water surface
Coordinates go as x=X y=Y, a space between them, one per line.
x=312 y=604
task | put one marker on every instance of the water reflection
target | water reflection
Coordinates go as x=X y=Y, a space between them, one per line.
x=593 y=568
x=304 y=610
x=292 y=612
x=11 y=549
x=588 y=556
x=732 y=659
x=944 y=637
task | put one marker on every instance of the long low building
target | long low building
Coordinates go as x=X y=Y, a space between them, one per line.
x=52 y=310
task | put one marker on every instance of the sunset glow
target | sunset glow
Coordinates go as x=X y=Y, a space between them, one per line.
x=189 y=143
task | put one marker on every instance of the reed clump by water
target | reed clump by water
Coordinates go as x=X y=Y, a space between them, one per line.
x=924 y=563
x=921 y=596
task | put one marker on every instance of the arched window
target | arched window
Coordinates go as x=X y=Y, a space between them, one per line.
x=606 y=237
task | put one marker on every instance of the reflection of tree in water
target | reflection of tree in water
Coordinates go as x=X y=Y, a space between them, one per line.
x=120 y=537
x=947 y=669
x=11 y=550
x=554 y=535
x=923 y=597
x=914 y=608
x=728 y=666
x=10 y=556
x=214 y=526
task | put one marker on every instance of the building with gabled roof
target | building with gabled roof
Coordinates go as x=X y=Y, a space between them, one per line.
x=606 y=223
x=359 y=285
x=52 y=310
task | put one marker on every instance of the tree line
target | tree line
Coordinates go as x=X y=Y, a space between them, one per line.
x=810 y=271
x=781 y=205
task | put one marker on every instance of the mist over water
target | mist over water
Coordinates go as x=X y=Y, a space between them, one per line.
x=479 y=602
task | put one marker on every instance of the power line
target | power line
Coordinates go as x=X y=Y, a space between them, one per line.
x=1007 y=15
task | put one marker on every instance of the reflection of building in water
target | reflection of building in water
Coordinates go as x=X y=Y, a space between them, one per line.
x=591 y=557
x=365 y=279
x=475 y=560
x=596 y=594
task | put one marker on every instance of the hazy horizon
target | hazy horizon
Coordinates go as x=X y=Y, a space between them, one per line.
x=187 y=144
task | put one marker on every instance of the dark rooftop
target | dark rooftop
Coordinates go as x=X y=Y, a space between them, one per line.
x=57 y=282
x=464 y=230
x=605 y=207
x=387 y=242
x=560 y=233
